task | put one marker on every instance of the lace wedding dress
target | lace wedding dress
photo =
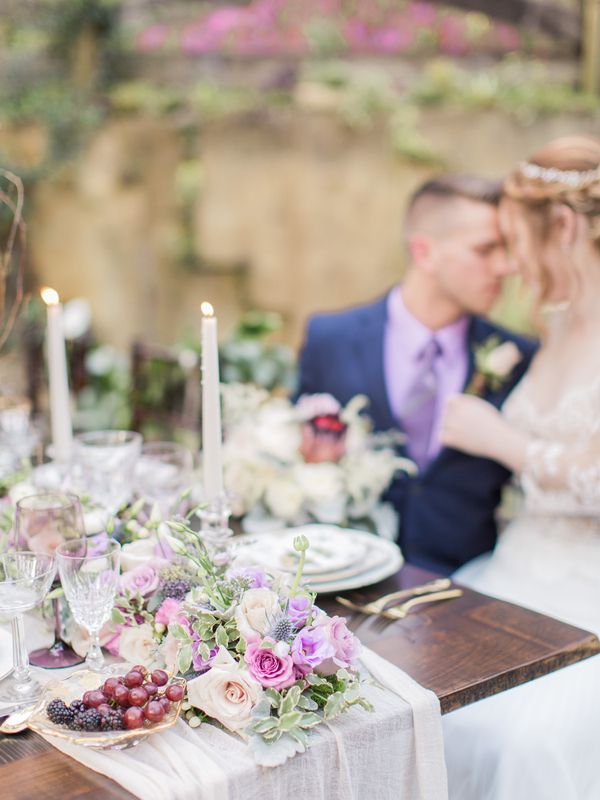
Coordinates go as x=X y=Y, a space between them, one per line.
x=540 y=741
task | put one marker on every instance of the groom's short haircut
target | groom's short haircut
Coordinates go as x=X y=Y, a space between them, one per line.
x=430 y=203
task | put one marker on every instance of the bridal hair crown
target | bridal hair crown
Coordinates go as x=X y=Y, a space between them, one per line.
x=571 y=177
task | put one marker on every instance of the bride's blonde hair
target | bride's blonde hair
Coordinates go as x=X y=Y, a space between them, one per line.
x=566 y=171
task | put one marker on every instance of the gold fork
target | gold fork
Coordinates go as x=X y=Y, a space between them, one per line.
x=399 y=612
x=380 y=605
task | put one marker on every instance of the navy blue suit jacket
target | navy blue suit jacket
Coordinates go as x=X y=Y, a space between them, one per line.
x=447 y=513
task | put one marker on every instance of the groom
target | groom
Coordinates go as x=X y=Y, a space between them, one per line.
x=411 y=349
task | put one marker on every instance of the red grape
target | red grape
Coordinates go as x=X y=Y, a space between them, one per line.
x=175 y=692
x=138 y=696
x=133 y=679
x=159 y=677
x=133 y=718
x=121 y=695
x=104 y=709
x=165 y=703
x=85 y=698
x=94 y=698
x=154 y=711
x=139 y=668
x=109 y=686
x=151 y=688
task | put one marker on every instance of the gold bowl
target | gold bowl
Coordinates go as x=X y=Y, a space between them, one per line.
x=72 y=688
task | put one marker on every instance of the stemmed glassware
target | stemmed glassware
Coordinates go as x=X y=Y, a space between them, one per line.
x=89 y=573
x=103 y=464
x=25 y=579
x=162 y=473
x=42 y=522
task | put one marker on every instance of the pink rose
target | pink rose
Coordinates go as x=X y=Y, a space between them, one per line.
x=142 y=579
x=346 y=645
x=270 y=667
x=167 y=611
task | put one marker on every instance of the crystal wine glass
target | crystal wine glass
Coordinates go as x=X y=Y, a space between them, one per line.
x=162 y=474
x=25 y=579
x=103 y=466
x=89 y=573
x=43 y=521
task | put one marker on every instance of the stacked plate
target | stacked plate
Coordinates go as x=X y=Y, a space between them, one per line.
x=337 y=559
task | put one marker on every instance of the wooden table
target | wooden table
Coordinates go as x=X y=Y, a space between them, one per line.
x=464 y=649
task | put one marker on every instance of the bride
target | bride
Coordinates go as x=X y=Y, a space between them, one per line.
x=539 y=741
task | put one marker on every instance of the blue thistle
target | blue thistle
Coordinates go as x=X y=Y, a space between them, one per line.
x=282 y=629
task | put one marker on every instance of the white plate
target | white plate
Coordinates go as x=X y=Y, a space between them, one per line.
x=380 y=557
x=331 y=549
x=389 y=564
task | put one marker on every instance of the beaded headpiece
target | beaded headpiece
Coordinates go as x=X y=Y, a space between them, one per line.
x=570 y=177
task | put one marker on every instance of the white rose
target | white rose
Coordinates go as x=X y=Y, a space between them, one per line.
x=137 y=644
x=169 y=651
x=226 y=692
x=256 y=612
x=502 y=359
x=137 y=553
x=283 y=498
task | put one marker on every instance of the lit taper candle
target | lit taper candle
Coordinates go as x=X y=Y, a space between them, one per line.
x=60 y=404
x=211 y=408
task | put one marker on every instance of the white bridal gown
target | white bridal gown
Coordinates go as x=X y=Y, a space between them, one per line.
x=541 y=740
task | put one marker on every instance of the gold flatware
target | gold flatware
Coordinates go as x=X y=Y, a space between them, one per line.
x=18 y=721
x=399 y=612
x=382 y=603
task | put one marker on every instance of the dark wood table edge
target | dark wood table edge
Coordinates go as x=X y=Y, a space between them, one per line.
x=528 y=672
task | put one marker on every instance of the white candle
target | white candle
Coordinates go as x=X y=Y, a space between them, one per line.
x=211 y=408
x=60 y=407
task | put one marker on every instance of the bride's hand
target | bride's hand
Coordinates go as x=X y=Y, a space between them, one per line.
x=477 y=427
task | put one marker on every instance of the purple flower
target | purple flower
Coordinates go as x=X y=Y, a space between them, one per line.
x=143 y=579
x=198 y=663
x=310 y=648
x=270 y=667
x=167 y=611
x=298 y=610
x=255 y=576
x=345 y=645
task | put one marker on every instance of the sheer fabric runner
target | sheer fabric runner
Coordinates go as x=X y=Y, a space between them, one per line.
x=395 y=753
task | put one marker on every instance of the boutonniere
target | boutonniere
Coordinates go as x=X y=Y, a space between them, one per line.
x=494 y=362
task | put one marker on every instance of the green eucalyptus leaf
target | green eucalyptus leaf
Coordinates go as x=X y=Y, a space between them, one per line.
x=221 y=636
x=307 y=703
x=289 y=720
x=178 y=631
x=117 y=617
x=274 y=697
x=334 y=705
x=310 y=720
x=265 y=725
x=184 y=660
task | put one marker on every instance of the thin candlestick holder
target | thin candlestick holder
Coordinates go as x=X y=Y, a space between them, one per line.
x=215 y=530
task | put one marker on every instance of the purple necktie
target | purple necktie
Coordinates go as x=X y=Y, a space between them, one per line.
x=419 y=408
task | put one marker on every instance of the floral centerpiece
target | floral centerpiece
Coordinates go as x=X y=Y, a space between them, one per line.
x=314 y=461
x=259 y=656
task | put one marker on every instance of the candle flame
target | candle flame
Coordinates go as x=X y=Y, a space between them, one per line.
x=207 y=309
x=49 y=296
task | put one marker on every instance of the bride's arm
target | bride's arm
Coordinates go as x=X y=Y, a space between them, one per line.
x=477 y=427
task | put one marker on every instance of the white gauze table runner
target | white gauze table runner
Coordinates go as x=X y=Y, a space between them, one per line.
x=394 y=753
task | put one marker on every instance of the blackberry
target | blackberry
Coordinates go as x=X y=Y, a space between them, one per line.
x=76 y=724
x=59 y=713
x=91 y=720
x=112 y=722
x=77 y=705
x=177 y=588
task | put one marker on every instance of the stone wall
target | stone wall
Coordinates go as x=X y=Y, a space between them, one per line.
x=296 y=213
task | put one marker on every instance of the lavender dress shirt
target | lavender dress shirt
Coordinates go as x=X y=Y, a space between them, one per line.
x=405 y=337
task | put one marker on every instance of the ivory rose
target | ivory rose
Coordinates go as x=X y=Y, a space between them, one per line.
x=225 y=692
x=137 y=644
x=255 y=614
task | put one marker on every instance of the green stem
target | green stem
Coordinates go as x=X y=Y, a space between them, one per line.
x=299 y=570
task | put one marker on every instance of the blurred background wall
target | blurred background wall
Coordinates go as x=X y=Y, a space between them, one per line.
x=260 y=154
